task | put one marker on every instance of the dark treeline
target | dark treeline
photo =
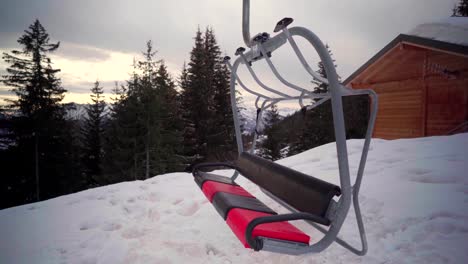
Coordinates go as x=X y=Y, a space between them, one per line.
x=308 y=129
x=460 y=9
x=156 y=123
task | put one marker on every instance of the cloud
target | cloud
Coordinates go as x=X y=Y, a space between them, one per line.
x=75 y=51
x=100 y=38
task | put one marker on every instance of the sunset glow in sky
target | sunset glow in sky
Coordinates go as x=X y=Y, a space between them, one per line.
x=99 y=39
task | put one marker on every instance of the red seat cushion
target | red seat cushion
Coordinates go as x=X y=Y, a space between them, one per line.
x=238 y=219
x=210 y=188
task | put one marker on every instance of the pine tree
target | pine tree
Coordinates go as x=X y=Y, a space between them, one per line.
x=41 y=131
x=150 y=111
x=122 y=133
x=222 y=140
x=461 y=9
x=205 y=96
x=170 y=153
x=317 y=123
x=145 y=126
x=186 y=115
x=196 y=97
x=322 y=87
x=92 y=136
x=271 y=146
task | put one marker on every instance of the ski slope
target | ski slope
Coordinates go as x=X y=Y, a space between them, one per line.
x=414 y=200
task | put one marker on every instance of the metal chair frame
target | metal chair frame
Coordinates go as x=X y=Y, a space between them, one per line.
x=262 y=47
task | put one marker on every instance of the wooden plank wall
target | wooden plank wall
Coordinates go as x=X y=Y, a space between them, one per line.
x=400 y=111
x=446 y=105
x=417 y=103
x=447 y=97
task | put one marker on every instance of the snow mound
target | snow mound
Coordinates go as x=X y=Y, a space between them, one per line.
x=414 y=200
x=452 y=30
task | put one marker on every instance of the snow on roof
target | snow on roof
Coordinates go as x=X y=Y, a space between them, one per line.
x=452 y=30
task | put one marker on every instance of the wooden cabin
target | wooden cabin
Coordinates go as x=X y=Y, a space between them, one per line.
x=422 y=81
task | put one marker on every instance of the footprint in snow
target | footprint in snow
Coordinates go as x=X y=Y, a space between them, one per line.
x=178 y=201
x=92 y=197
x=62 y=251
x=89 y=260
x=153 y=215
x=134 y=210
x=90 y=224
x=132 y=233
x=211 y=250
x=188 y=209
x=113 y=202
x=72 y=202
x=153 y=197
x=428 y=178
x=391 y=160
x=111 y=226
x=418 y=171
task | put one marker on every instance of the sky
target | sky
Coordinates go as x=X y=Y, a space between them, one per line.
x=99 y=39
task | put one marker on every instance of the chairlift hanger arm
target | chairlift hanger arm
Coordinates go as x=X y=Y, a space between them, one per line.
x=246 y=22
x=277 y=74
x=299 y=54
x=233 y=69
x=260 y=83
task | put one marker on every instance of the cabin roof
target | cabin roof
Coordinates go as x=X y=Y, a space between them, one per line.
x=448 y=35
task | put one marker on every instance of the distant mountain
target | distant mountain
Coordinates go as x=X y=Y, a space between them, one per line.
x=75 y=111
x=250 y=116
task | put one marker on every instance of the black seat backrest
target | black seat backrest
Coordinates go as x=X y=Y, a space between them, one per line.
x=303 y=192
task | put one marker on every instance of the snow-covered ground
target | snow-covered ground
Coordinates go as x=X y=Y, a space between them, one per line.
x=414 y=200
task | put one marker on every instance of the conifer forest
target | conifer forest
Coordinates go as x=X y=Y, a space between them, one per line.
x=154 y=122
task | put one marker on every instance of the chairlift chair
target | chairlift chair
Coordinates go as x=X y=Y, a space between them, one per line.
x=319 y=203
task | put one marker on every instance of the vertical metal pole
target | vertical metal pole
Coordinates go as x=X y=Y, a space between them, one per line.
x=246 y=22
x=235 y=114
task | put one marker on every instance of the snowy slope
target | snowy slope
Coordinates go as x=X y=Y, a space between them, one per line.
x=414 y=201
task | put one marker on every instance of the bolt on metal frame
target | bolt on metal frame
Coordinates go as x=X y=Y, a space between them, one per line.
x=350 y=192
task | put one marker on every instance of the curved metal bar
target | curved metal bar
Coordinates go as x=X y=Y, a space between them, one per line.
x=235 y=112
x=246 y=22
x=212 y=164
x=256 y=102
x=340 y=137
x=234 y=74
x=260 y=83
x=259 y=119
x=301 y=97
x=362 y=164
x=336 y=92
x=298 y=52
x=257 y=244
x=319 y=102
x=357 y=184
x=275 y=71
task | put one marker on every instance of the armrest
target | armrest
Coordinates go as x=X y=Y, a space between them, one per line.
x=212 y=164
x=256 y=244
